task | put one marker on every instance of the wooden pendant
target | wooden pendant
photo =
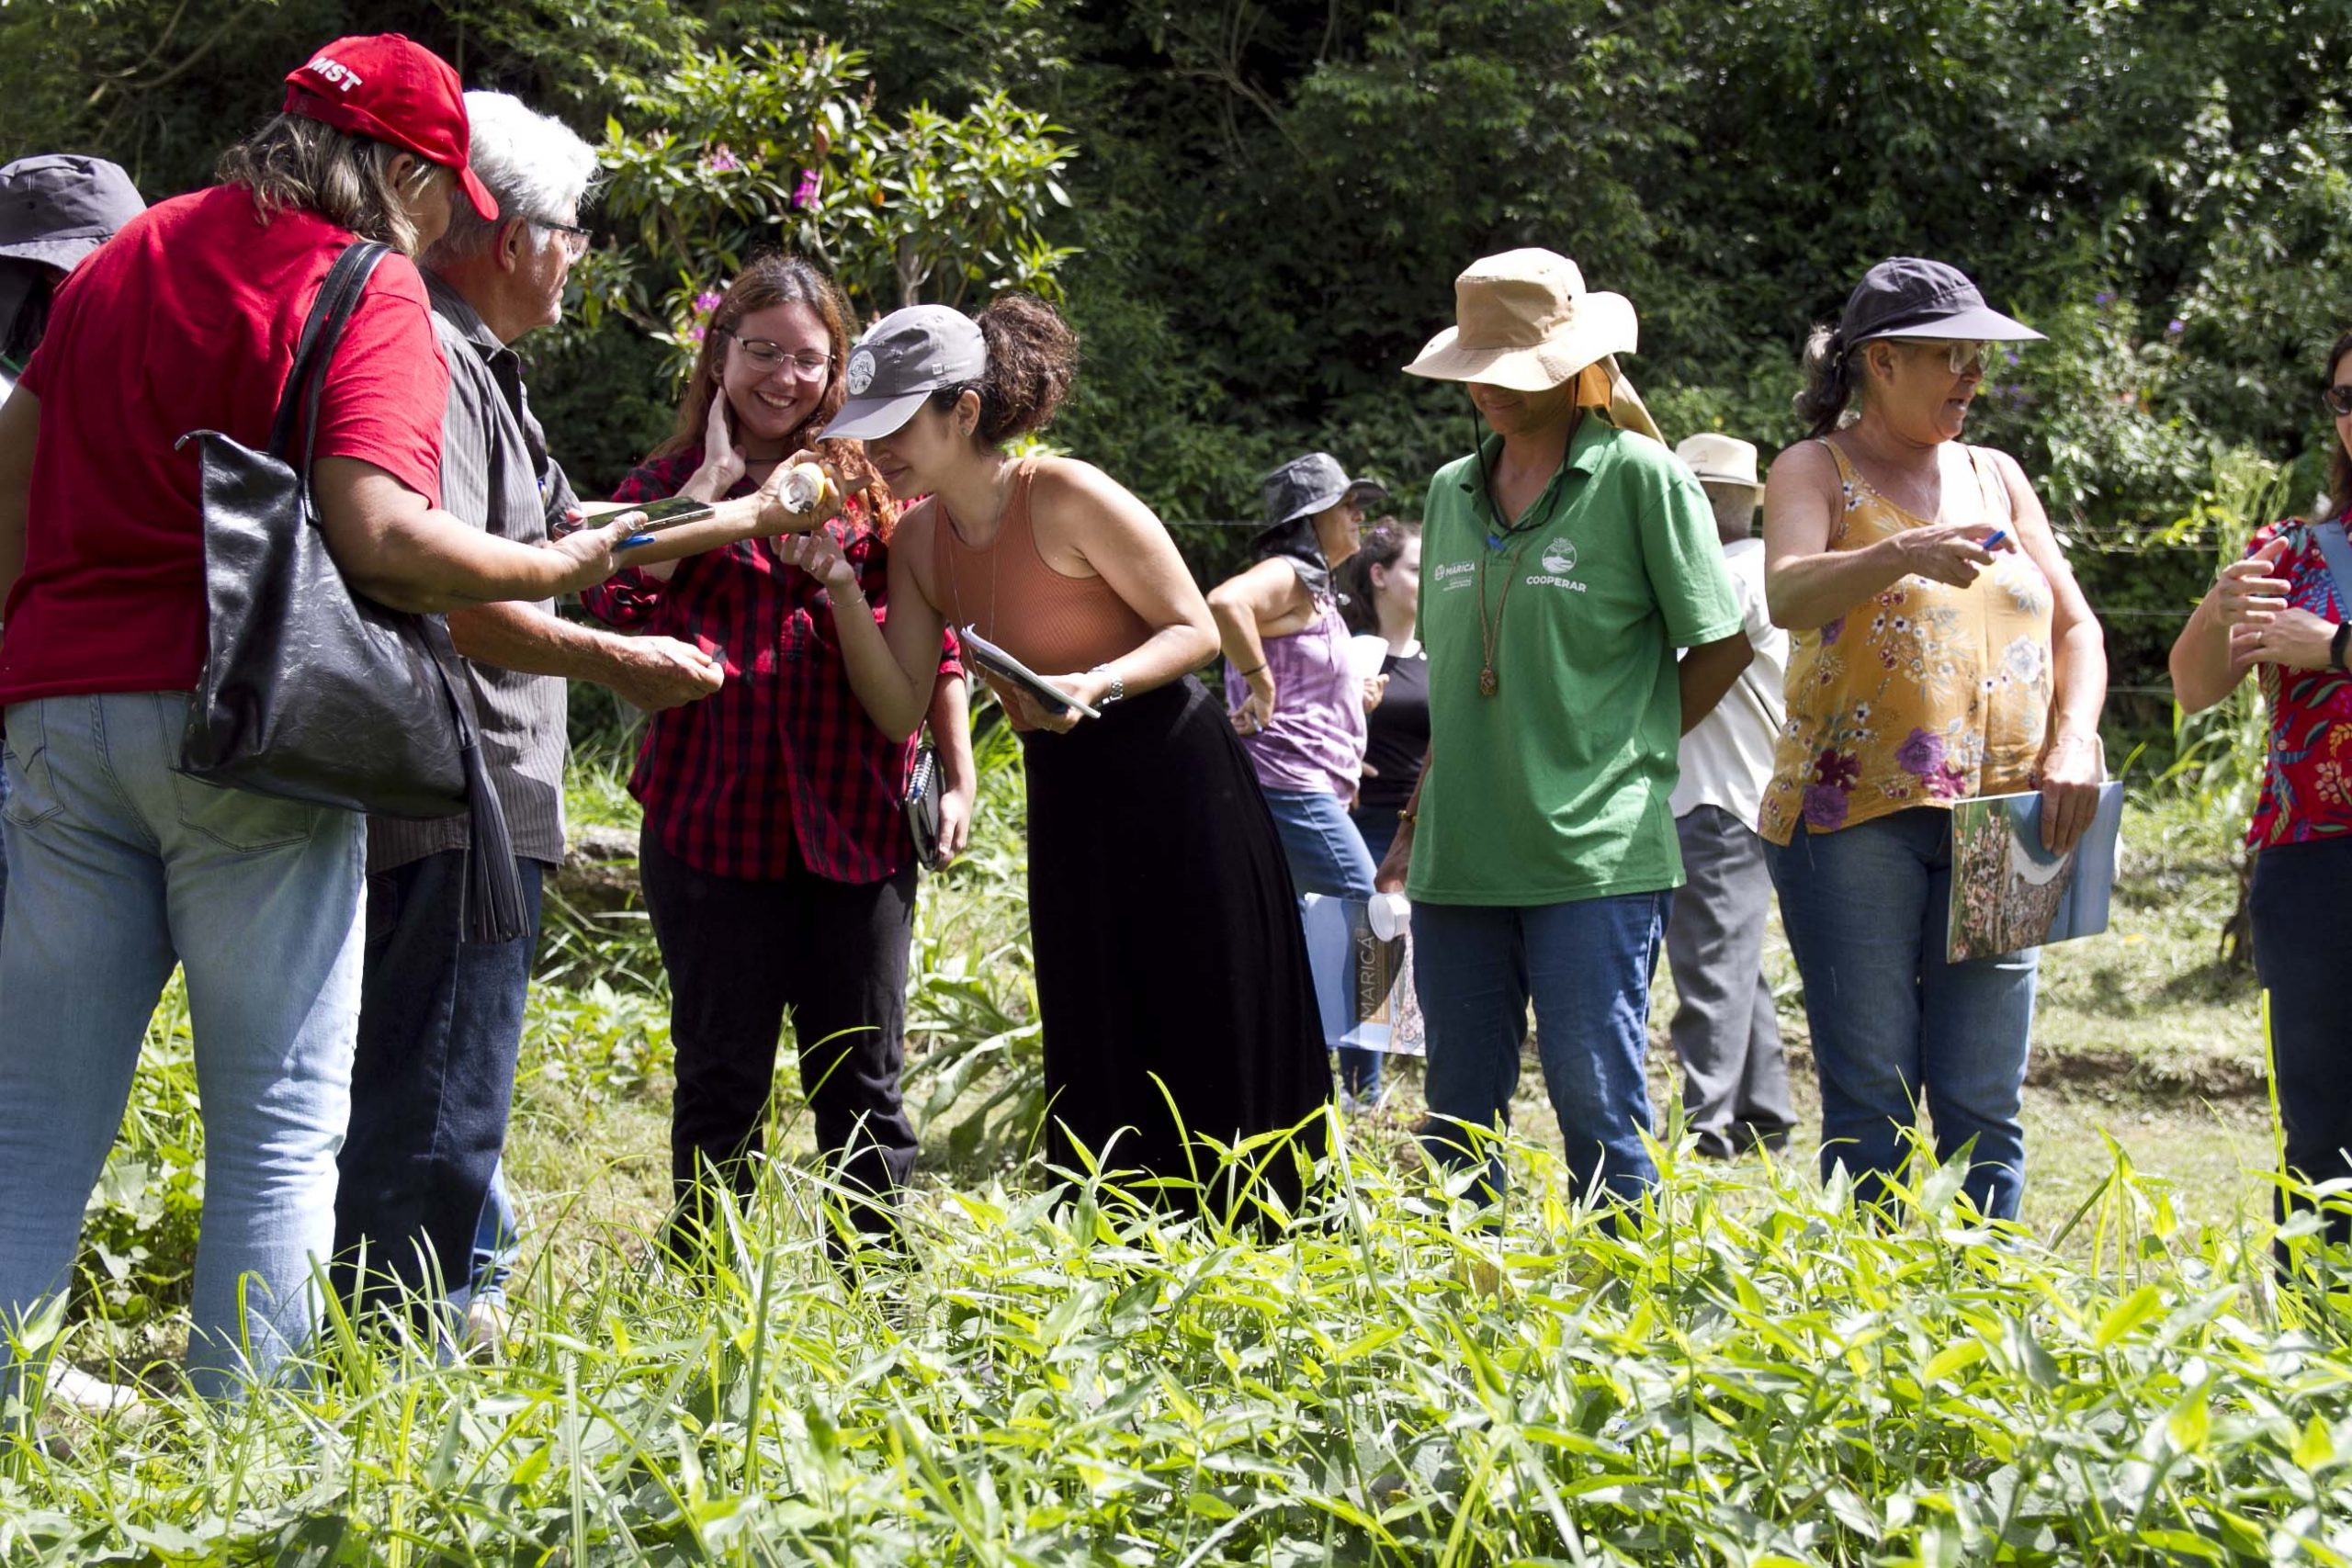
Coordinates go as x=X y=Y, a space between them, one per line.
x=1486 y=681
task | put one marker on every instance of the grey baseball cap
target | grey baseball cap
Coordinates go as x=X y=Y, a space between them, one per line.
x=1304 y=486
x=903 y=360
x=59 y=207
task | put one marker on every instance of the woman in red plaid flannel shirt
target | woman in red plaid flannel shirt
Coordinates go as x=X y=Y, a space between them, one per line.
x=777 y=861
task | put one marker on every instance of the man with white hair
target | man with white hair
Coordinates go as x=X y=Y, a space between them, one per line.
x=441 y=1018
x=1735 y=1081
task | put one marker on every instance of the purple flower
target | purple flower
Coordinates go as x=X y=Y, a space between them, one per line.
x=1920 y=753
x=805 y=193
x=1832 y=631
x=697 y=332
x=2175 y=327
x=706 y=301
x=722 y=160
x=2104 y=297
x=1823 y=806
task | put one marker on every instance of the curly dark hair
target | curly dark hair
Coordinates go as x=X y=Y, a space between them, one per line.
x=1033 y=359
x=769 y=279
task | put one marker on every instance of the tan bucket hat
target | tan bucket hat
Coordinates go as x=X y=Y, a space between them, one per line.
x=1719 y=459
x=1524 y=320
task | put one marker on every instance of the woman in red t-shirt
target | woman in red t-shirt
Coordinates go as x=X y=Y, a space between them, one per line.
x=776 y=860
x=2281 y=611
x=122 y=866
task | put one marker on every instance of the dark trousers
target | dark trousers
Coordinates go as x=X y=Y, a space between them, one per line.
x=742 y=953
x=2302 y=923
x=1735 y=1081
x=440 y=1025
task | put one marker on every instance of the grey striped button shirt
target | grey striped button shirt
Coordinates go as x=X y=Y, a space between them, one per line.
x=495 y=472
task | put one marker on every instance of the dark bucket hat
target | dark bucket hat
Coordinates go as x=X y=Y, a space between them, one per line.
x=59 y=207
x=903 y=360
x=1908 y=297
x=1304 y=486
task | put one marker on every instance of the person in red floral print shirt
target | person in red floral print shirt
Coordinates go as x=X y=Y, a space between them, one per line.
x=2279 y=612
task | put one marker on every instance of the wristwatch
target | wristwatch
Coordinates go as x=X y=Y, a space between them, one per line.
x=1118 y=692
x=2335 y=644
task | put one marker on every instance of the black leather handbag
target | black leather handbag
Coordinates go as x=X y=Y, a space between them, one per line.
x=309 y=690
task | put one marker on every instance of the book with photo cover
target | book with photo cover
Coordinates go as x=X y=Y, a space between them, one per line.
x=1006 y=668
x=2010 y=894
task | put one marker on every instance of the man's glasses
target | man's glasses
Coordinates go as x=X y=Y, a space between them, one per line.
x=767 y=356
x=574 y=238
x=2338 y=399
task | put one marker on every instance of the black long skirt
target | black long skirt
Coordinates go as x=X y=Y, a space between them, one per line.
x=1168 y=943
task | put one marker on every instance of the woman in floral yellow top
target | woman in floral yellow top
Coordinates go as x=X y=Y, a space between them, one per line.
x=1941 y=651
x=2281 y=611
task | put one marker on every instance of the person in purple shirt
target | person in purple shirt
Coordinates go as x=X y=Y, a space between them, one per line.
x=1297 y=702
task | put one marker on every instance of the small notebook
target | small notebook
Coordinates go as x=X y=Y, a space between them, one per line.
x=2010 y=894
x=1004 y=666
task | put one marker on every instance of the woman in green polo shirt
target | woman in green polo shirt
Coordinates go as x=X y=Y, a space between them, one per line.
x=1564 y=563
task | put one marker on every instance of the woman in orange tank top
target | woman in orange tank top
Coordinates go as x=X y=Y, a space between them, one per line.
x=1172 y=979
x=1941 y=651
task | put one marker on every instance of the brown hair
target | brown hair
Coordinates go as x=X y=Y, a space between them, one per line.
x=1830 y=381
x=303 y=164
x=768 y=279
x=2339 y=461
x=1033 y=359
x=1384 y=541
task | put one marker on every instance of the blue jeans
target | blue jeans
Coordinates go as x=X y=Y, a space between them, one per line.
x=4 y=850
x=440 y=1026
x=1586 y=966
x=122 y=866
x=1866 y=909
x=498 y=1238
x=1326 y=856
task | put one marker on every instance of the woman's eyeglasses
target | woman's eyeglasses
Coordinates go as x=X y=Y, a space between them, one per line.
x=767 y=356
x=2338 y=399
x=1960 y=355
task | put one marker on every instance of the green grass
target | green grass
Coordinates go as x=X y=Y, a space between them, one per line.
x=1752 y=1378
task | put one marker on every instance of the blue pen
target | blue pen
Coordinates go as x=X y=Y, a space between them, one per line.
x=1995 y=537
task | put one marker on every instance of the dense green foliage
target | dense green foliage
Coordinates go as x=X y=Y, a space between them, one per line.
x=1747 y=1377
x=1271 y=197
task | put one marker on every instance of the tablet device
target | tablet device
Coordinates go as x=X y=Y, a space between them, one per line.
x=1006 y=668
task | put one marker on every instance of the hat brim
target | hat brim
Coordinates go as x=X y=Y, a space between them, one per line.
x=67 y=254
x=869 y=419
x=485 y=205
x=1604 y=324
x=1976 y=323
x=1743 y=481
x=1365 y=492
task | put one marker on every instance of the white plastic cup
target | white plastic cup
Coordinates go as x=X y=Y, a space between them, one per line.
x=1389 y=914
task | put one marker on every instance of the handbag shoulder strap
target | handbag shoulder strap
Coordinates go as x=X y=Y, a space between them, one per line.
x=338 y=298
x=2337 y=551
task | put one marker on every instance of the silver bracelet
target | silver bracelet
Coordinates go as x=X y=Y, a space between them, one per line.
x=1118 y=692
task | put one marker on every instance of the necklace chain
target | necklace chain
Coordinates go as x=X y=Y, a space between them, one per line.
x=996 y=559
x=1490 y=637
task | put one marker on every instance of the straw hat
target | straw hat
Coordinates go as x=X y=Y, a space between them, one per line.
x=1719 y=459
x=1524 y=321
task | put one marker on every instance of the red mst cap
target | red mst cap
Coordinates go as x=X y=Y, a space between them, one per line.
x=395 y=90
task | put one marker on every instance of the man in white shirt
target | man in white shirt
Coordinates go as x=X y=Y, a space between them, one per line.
x=1735 y=1082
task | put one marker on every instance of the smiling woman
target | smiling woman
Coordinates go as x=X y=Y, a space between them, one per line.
x=777 y=865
